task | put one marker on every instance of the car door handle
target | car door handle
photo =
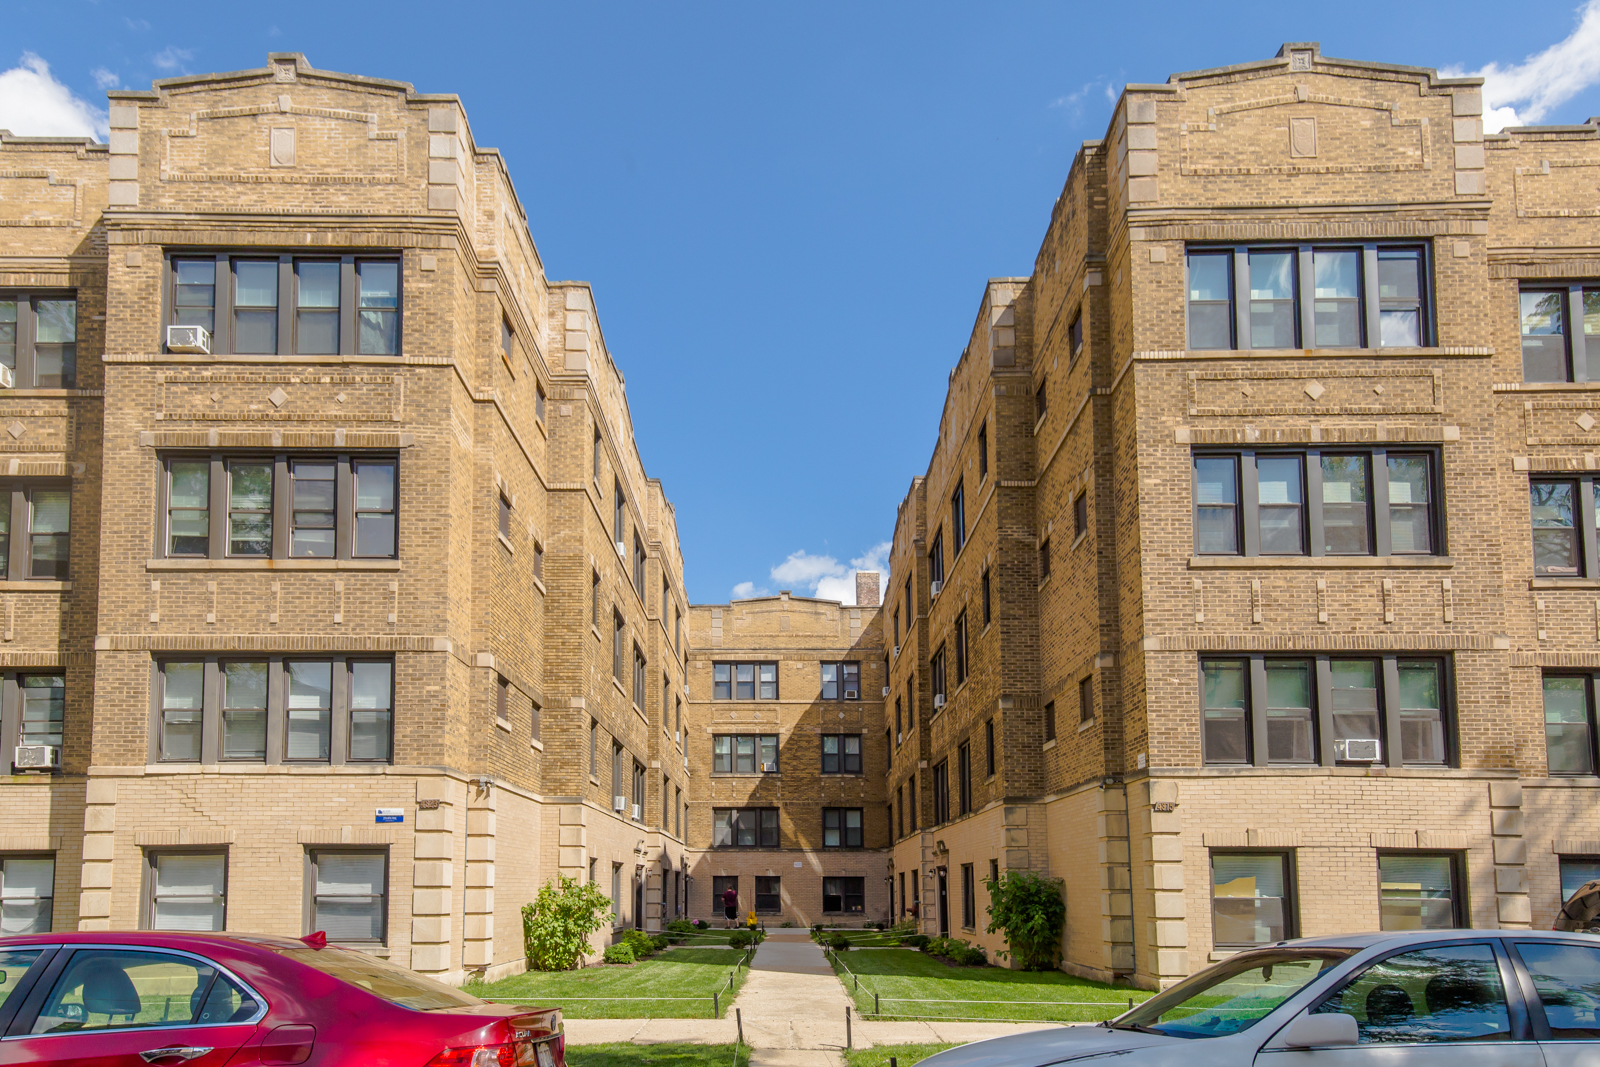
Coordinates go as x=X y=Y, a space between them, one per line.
x=180 y=1053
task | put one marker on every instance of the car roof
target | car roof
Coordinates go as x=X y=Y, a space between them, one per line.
x=179 y=939
x=1399 y=938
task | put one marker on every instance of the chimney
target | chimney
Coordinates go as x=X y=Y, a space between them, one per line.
x=866 y=589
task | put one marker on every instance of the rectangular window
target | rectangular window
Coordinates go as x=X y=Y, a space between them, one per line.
x=619 y=648
x=841 y=681
x=1419 y=891
x=502 y=699
x=841 y=827
x=502 y=525
x=1250 y=903
x=1562 y=512
x=983 y=450
x=744 y=681
x=594 y=748
x=619 y=518
x=911 y=801
x=961 y=647
x=44 y=708
x=27 y=893
x=595 y=456
x=638 y=678
x=1086 y=699
x=274 y=710
x=958 y=521
x=40 y=517
x=964 y=779
x=1304 y=296
x=1080 y=515
x=841 y=753
x=638 y=566
x=911 y=606
x=1041 y=400
x=936 y=670
x=941 y=793
x=286 y=305
x=1554 y=346
x=594 y=599
x=987 y=596
x=936 y=563
x=1569 y=732
x=744 y=754
x=1044 y=559
x=897 y=630
x=969 y=898
x=348 y=895
x=769 y=894
x=1075 y=334
x=847 y=895
x=988 y=748
x=899 y=722
x=1317 y=503
x=616 y=771
x=39 y=339
x=744 y=828
x=638 y=793
x=1576 y=872
x=1050 y=721
x=187 y=891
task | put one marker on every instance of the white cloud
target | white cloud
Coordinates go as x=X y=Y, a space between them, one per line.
x=804 y=569
x=172 y=58
x=746 y=590
x=105 y=78
x=1074 y=103
x=1524 y=93
x=822 y=576
x=34 y=104
x=136 y=25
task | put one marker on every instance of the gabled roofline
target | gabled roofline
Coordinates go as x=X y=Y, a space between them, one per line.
x=1281 y=60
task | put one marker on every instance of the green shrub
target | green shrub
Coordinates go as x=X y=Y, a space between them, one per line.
x=639 y=942
x=681 y=926
x=916 y=941
x=557 y=925
x=701 y=924
x=660 y=941
x=787 y=924
x=741 y=939
x=621 y=952
x=759 y=935
x=937 y=946
x=904 y=928
x=838 y=942
x=968 y=955
x=1030 y=912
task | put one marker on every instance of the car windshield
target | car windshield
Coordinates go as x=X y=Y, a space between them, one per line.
x=1232 y=996
x=382 y=978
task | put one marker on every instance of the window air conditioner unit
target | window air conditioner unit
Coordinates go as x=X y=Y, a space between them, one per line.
x=852 y=694
x=196 y=339
x=1356 y=750
x=897 y=650
x=769 y=768
x=885 y=690
x=619 y=803
x=36 y=757
x=622 y=549
x=934 y=587
x=8 y=377
x=900 y=738
x=677 y=737
x=686 y=761
x=636 y=813
x=938 y=700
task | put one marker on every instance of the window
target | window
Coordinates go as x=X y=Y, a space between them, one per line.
x=503 y=520
x=41 y=516
x=958 y=521
x=899 y=722
x=964 y=778
x=1553 y=349
x=1086 y=699
x=533 y=719
x=506 y=339
x=1080 y=515
x=897 y=630
x=638 y=678
x=616 y=894
x=286 y=305
x=1041 y=401
x=1445 y=993
x=841 y=753
x=43 y=700
x=987 y=596
x=983 y=450
x=911 y=802
x=1566 y=977
x=1324 y=710
x=969 y=898
x=900 y=812
x=1044 y=559
x=961 y=648
x=1050 y=721
x=275 y=710
x=1351 y=296
x=638 y=566
x=616 y=772
x=538 y=561
x=187 y=891
x=1075 y=334
x=744 y=828
x=1418 y=891
x=538 y=401
x=27 y=894
x=1563 y=511
x=1569 y=733
x=744 y=681
x=619 y=517
x=595 y=454
x=936 y=564
x=39 y=339
x=106 y=989
x=911 y=606
x=502 y=698
x=1376 y=502
x=941 y=793
x=936 y=669
x=594 y=748
x=744 y=754
x=349 y=894
x=342 y=507
x=841 y=827
x=841 y=681
x=988 y=748
x=769 y=896
x=619 y=648
x=844 y=895
x=638 y=792
x=1576 y=871
x=594 y=599
x=1249 y=899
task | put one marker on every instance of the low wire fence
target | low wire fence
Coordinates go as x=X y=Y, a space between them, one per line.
x=719 y=999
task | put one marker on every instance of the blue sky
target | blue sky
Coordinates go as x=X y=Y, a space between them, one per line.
x=787 y=211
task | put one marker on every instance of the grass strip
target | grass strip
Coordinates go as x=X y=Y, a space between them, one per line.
x=624 y=1054
x=663 y=980
x=904 y=1055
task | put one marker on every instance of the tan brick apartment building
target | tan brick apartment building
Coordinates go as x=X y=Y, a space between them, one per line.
x=1222 y=597
x=1251 y=587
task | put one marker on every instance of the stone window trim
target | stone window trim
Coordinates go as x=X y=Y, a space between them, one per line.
x=47 y=364
x=843 y=828
x=35 y=548
x=313 y=856
x=42 y=724
x=1228 y=503
x=846 y=757
x=728 y=825
x=283 y=518
x=1560 y=325
x=150 y=865
x=1286 y=902
x=737 y=755
x=1232 y=309
x=183 y=305
x=209 y=721
x=1223 y=744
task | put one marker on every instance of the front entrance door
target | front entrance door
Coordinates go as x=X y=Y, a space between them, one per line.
x=944 y=902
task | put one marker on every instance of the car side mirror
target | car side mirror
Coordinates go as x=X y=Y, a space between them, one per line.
x=1318 y=1031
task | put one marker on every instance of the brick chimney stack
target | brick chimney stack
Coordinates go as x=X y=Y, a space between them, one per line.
x=866 y=589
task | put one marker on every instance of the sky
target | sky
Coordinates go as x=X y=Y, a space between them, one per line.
x=788 y=211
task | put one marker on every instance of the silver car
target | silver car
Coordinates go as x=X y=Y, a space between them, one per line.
x=1467 y=998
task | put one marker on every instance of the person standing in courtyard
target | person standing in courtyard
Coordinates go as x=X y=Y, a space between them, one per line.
x=730 y=905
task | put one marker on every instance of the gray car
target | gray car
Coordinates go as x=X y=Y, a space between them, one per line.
x=1465 y=998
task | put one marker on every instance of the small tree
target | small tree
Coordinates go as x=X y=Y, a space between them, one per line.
x=1031 y=912
x=557 y=925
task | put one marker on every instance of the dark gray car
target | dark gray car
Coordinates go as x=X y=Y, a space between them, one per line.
x=1467 y=998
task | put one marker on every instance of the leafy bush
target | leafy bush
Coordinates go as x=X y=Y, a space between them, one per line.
x=787 y=924
x=838 y=942
x=904 y=927
x=759 y=935
x=741 y=939
x=701 y=924
x=660 y=941
x=1031 y=913
x=916 y=941
x=681 y=926
x=968 y=955
x=557 y=925
x=621 y=952
x=641 y=943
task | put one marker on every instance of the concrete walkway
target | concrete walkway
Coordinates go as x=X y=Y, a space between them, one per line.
x=793 y=1010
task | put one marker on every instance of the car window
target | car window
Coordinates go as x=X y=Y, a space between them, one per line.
x=1444 y=993
x=1232 y=996
x=103 y=989
x=382 y=979
x=14 y=963
x=1568 y=980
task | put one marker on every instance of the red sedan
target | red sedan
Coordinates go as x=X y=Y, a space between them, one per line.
x=204 y=1000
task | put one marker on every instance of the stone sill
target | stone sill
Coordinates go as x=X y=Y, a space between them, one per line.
x=1310 y=771
x=1048 y=745
x=268 y=358
x=30 y=585
x=751 y=774
x=1200 y=563
x=273 y=565
x=1470 y=351
x=1088 y=724
x=1562 y=583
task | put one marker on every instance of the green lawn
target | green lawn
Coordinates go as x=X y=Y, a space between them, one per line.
x=676 y=973
x=903 y=1055
x=912 y=984
x=622 y=1054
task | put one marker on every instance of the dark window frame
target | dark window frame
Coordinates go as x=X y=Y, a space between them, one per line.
x=1086 y=699
x=844 y=671
x=24 y=343
x=983 y=451
x=1591 y=750
x=766 y=819
x=958 y=519
x=639 y=668
x=969 y=898
x=312 y=854
x=1585 y=549
x=1080 y=515
x=936 y=673
x=849 y=892
x=1459 y=884
x=734 y=682
x=988 y=598
x=149 y=861
x=960 y=638
x=847 y=836
x=48 y=901
x=964 y=778
x=1075 y=336
x=1050 y=721
x=13 y=687
x=844 y=761
x=728 y=763
x=941 y=793
x=988 y=748
x=1576 y=350
x=18 y=558
x=936 y=563
x=769 y=902
x=1290 y=902
x=1044 y=560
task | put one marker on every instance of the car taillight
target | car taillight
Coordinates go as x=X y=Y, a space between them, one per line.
x=476 y=1056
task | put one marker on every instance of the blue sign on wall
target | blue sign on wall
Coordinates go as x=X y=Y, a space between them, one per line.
x=390 y=815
